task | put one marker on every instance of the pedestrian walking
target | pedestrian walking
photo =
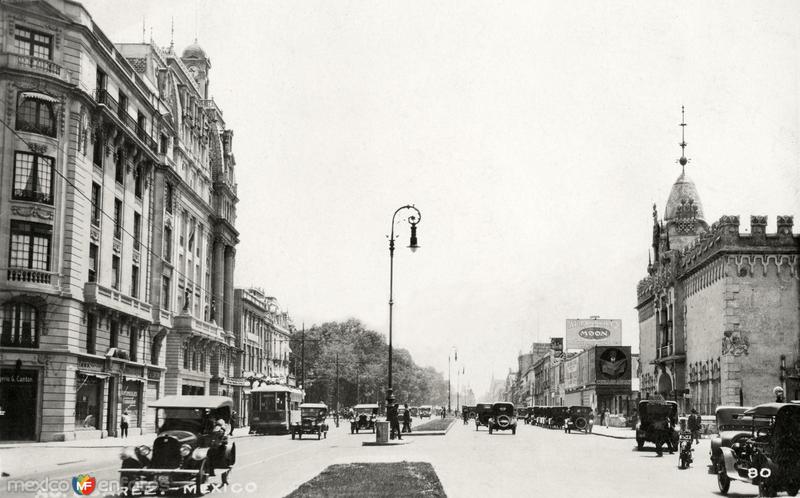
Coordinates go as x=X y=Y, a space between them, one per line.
x=123 y=424
x=234 y=421
x=406 y=419
x=590 y=424
x=606 y=416
x=695 y=424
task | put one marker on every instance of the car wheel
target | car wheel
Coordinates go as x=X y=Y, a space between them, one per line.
x=724 y=482
x=639 y=444
x=792 y=491
x=766 y=489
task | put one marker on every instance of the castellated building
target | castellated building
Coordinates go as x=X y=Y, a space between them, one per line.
x=719 y=322
x=117 y=227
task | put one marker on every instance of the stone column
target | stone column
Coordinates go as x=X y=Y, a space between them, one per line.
x=230 y=260
x=218 y=277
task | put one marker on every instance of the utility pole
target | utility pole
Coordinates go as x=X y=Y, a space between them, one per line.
x=303 y=356
x=337 y=383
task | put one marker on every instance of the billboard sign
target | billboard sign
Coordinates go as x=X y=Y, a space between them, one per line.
x=587 y=333
x=613 y=365
x=571 y=373
x=557 y=343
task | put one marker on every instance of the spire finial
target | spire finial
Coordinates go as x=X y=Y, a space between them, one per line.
x=683 y=159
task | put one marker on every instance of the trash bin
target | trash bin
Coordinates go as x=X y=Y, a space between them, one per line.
x=382 y=432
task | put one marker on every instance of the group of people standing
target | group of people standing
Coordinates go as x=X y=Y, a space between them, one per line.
x=393 y=416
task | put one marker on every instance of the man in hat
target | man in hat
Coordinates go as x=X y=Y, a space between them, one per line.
x=778 y=391
x=695 y=425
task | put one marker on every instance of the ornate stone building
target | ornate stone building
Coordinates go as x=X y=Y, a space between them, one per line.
x=718 y=311
x=117 y=211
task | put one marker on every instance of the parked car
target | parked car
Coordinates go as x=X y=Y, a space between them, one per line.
x=578 y=418
x=469 y=410
x=503 y=418
x=770 y=457
x=556 y=416
x=364 y=417
x=425 y=411
x=655 y=417
x=483 y=412
x=312 y=420
x=414 y=411
x=733 y=425
x=191 y=443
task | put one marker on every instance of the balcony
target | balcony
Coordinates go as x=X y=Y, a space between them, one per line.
x=33 y=196
x=35 y=277
x=667 y=351
x=103 y=97
x=190 y=324
x=95 y=293
x=29 y=63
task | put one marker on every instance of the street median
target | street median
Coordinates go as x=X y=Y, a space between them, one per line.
x=436 y=427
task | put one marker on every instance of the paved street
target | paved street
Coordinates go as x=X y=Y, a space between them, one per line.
x=469 y=463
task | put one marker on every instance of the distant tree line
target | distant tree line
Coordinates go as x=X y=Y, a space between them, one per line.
x=363 y=356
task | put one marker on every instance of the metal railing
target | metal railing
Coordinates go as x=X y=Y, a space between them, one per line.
x=665 y=351
x=103 y=97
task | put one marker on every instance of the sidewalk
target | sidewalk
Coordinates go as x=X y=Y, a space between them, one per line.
x=615 y=432
x=108 y=442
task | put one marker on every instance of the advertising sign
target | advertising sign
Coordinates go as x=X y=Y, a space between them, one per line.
x=613 y=365
x=557 y=343
x=571 y=373
x=590 y=332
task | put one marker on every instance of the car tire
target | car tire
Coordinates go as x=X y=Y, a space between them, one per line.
x=792 y=491
x=580 y=423
x=723 y=482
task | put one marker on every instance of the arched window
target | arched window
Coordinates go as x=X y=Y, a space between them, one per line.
x=35 y=114
x=21 y=325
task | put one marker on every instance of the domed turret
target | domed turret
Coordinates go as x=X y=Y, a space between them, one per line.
x=683 y=193
x=194 y=51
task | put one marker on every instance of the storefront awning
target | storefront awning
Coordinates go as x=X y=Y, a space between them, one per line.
x=92 y=373
x=38 y=96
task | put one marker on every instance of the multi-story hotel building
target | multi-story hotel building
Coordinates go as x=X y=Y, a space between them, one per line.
x=117 y=237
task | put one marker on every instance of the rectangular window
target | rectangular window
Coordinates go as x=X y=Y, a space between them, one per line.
x=101 y=79
x=163 y=144
x=138 y=185
x=96 y=204
x=91 y=333
x=167 y=244
x=135 y=281
x=119 y=167
x=30 y=246
x=32 y=43
x=137 y=230
x=114 y=330
x=98 y=149
x=117 y=219
x=168 y=198
x=115 y=272
x=134 y=344
x=123 y=106
x=21 y=325
x=33 y=177
x=165 y=293
x=93 y=254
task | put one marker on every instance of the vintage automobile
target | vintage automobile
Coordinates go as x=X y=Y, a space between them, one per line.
x=191 y=443
x=578 y=418
x=414 y=411
x=503 y=418
x=522 y=413
x=556 y=416
x=655 y=416
x=364 y=417
x=425 y=411
x=732 y=426
x=770 y=456
x=312 y=420
x=539 y=415
x=483 y=411
x=470 y=410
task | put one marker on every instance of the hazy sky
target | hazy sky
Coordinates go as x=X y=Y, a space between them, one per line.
x=533 y=136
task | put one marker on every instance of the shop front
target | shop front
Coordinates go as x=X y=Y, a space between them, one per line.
x=19 y=389
x=88 y=400
x=131 y=399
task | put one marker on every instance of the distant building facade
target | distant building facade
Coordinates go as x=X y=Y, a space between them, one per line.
x=718 y=311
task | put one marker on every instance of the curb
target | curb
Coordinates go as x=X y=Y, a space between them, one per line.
x=389 y=443
x=613 y=437
x=440 y=432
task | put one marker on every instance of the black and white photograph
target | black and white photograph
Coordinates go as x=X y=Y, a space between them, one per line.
x=399 y=248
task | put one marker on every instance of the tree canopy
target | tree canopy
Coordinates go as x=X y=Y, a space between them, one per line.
x=363 y=356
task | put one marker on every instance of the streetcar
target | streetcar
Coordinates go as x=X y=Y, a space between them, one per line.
x=274 y=408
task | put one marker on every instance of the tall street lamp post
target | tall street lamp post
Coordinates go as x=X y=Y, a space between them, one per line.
x=449 y=396
x=413 y=220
